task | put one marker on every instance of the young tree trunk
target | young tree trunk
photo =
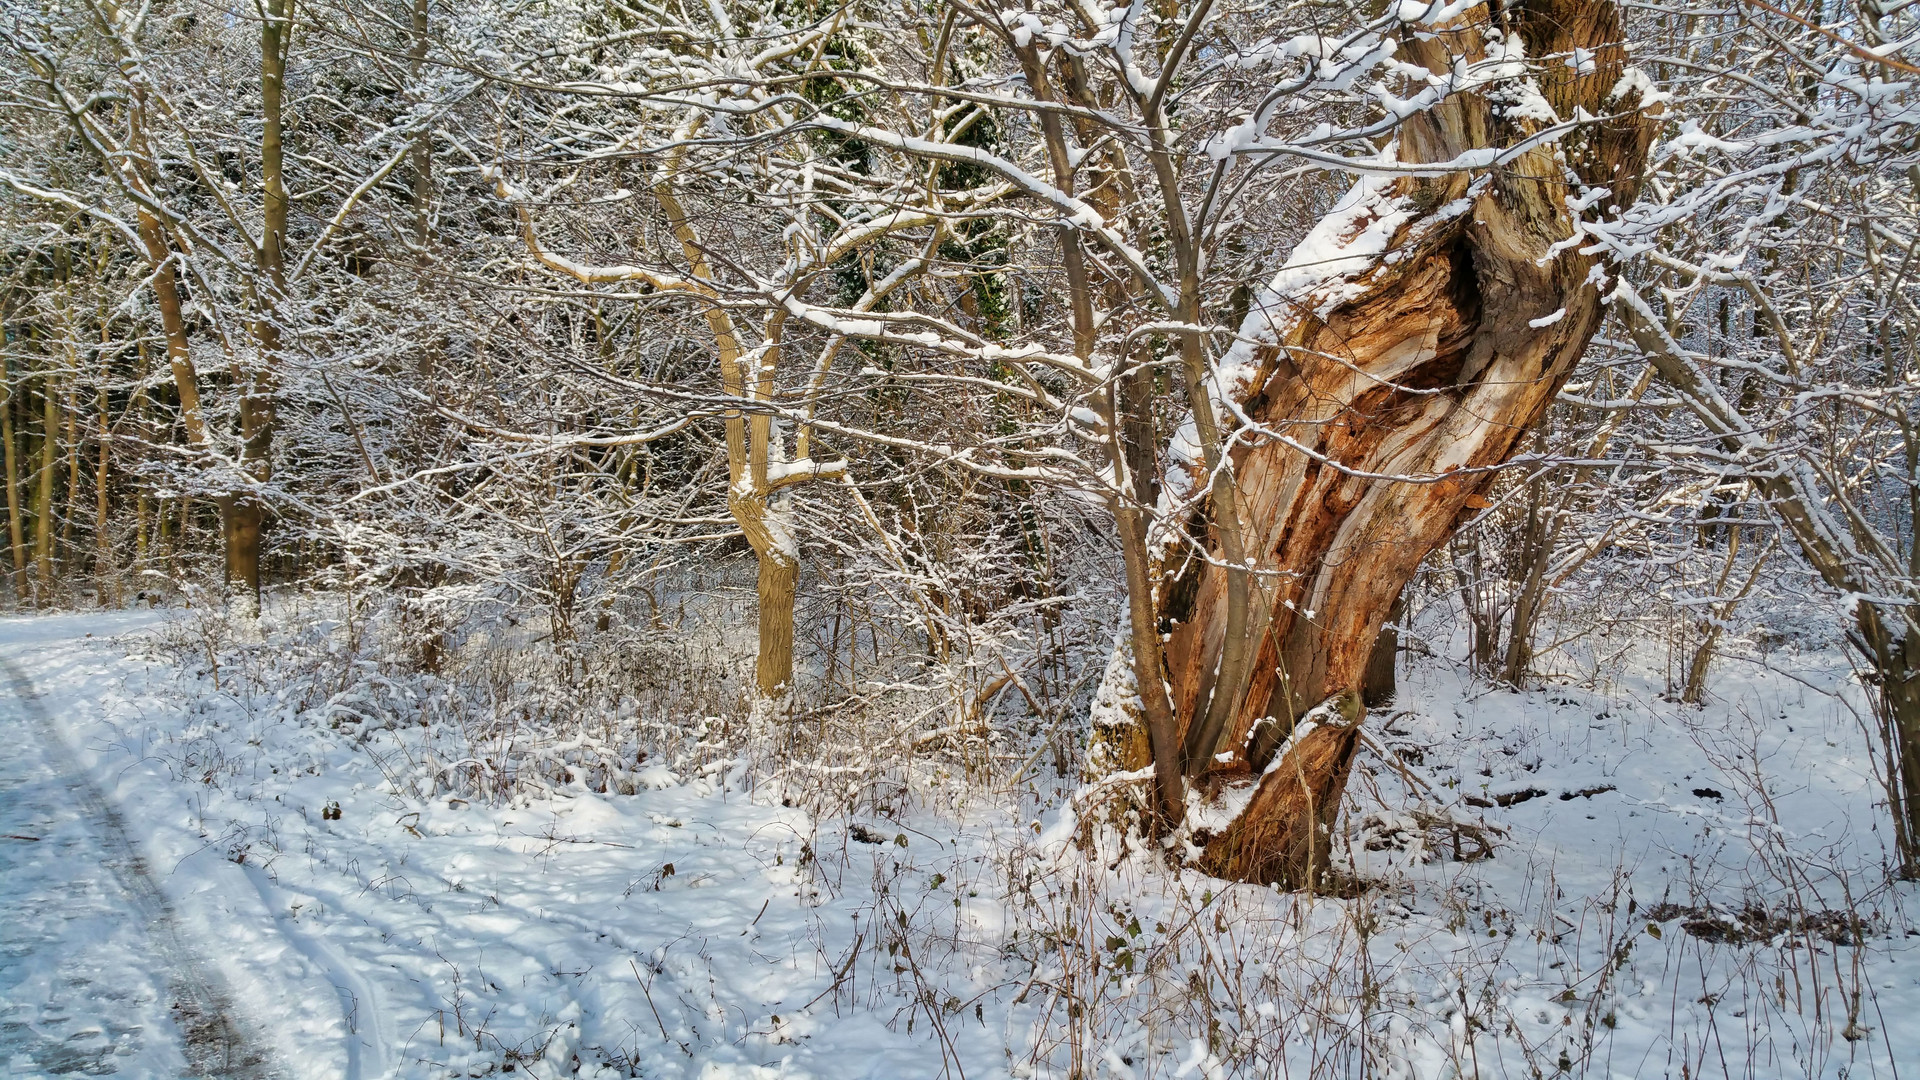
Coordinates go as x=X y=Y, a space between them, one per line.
x=161 y=262
x=1430 y=355
x=1480 y=601
x=753 y=450
x=75 y=489
x=244 y=513
x=17 y=540
x=1894 y=652
x=173 y=325
x=1536 y=551
x=1718 y=613
x=43 y=502
x=753 y=487
x=102 y=545
x=1378 y=687
x=779 y=579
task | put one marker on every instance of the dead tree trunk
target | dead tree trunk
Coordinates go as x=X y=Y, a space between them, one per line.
x=1454 y=310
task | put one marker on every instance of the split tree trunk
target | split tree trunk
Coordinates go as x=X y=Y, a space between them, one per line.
x=1433 y=356
x=750 y=483
x=753 y=450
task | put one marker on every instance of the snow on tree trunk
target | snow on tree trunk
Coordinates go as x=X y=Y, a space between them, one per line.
x=1419 y=331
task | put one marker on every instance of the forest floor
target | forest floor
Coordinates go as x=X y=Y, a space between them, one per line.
x=1672 y=892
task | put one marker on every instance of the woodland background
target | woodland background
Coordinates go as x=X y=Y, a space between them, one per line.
x=1092 y=530
x=760 y=361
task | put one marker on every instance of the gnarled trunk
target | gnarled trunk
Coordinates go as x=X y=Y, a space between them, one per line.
x=1420 y=332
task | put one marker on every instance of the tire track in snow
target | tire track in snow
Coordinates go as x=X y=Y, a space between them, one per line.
x=361 y=1012
x=214 y=1044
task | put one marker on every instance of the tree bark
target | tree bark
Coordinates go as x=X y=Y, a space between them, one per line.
x=1430 y=358
x=779 y=579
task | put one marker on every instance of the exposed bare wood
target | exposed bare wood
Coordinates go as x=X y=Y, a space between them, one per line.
x=1435 y=358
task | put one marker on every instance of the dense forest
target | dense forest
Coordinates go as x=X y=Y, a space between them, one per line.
x=1128 y=425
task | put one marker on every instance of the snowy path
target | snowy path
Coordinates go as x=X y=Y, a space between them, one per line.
x=687 y=930
x=701 y=928
x=94 y=976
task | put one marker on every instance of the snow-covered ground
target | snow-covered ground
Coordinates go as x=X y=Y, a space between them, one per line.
x=1673 y=892
x=81 y=987
x=95 y=976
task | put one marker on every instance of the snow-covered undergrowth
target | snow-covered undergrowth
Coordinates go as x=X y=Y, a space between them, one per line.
x=516 y=867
